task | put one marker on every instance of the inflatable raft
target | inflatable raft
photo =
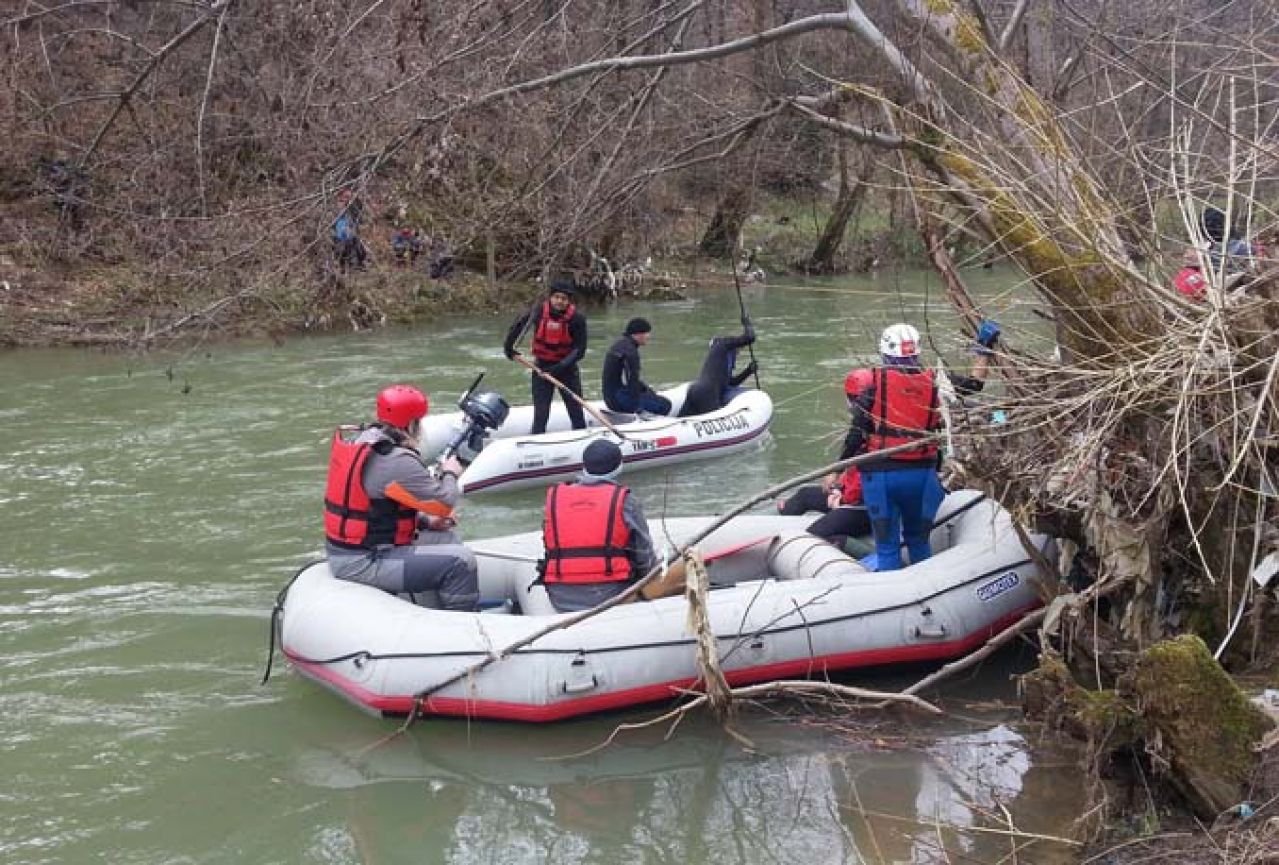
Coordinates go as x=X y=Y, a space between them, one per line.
x=511 y=457
x=783 y=604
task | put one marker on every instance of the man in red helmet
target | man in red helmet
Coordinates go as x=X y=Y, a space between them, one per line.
x=559 y=343
x=388 y=522
x=900 y=408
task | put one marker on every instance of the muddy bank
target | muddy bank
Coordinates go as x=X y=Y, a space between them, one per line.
x=121 y=306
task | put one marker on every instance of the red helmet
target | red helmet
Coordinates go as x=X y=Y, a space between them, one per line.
x=400 y=405
x=858 y=382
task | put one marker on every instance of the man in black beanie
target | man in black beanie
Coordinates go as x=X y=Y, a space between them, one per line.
x=596 y=538
x=559 y=342
x=623 y=388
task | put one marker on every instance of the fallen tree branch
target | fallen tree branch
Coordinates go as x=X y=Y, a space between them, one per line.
x=780 y=688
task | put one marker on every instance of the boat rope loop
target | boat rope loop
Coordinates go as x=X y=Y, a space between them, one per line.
x=274 y=626
x=696 y=586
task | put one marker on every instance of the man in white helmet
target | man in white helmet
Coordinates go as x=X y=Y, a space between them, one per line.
x=901 y=405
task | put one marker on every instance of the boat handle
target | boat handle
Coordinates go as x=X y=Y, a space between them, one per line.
x=579 y=686
x=932 y=629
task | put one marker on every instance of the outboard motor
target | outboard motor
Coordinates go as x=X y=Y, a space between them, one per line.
x=484 y=411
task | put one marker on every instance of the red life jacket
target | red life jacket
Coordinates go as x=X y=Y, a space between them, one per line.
x=905 y=408
x=351 y=519
x=552 y=341
x=1191 y=283
x=850 y=486
x=584 y=534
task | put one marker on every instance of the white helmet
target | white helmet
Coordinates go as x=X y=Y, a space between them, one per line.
x=899 y=340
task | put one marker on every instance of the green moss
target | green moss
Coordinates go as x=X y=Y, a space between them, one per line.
x=1105 y=715
x=968 y=35
x=1199 y=712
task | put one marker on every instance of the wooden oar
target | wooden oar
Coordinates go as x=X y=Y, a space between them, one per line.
x=564 y=389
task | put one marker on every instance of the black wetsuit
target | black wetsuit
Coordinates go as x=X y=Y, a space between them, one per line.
x=715 y=382
x=620 y=380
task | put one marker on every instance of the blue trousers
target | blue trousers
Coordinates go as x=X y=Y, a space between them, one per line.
x=648 y=402
x=901 y=504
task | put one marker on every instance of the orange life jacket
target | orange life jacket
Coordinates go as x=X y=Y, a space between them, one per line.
x=905 y=408
x=351 y=519
x=584 y=534
x=552 y=341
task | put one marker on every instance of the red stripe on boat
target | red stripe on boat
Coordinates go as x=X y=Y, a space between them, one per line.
x=508 y=711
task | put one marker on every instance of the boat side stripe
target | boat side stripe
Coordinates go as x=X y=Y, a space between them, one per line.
x=806 y=625
x=399 y=705
x=571 y=468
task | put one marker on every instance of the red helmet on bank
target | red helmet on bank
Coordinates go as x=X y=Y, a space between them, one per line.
x=857 y=382
x=400 y=405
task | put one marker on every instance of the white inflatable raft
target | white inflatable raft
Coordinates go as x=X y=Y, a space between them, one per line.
x=784 y=605
x=512 y=458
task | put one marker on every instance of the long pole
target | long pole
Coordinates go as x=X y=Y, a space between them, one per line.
x=532 y=367
x=741 y=305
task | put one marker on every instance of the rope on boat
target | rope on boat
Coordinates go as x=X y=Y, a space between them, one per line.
x=275 y=619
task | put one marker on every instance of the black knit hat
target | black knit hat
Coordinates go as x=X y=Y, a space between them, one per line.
x=563 y=285
x=601 y=458
x=637 y=325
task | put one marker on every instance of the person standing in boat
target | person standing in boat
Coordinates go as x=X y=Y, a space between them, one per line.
x=624 y=390
x=595 y=534
x=715 y=383
x=388 y=522
x=559 y=343
x=901 y=404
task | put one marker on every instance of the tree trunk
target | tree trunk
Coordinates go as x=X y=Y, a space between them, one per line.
x=822 y=259
x=720 y=239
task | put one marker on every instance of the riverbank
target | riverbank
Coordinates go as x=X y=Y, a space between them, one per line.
x=105 y=289
x=120 y=307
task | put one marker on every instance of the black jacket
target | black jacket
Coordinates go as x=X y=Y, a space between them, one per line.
x=576 y=329
x=622 y=371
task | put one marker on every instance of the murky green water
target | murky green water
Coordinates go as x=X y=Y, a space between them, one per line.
x=153 y=506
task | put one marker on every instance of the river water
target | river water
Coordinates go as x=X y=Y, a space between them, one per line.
x=153 y=506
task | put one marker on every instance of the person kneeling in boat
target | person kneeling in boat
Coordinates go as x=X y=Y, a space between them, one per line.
x=388 y=522
x=595 y=534
x=716 y=382
x=818 y=497
x=839 y=496
x=902 y=405
x=624 y=390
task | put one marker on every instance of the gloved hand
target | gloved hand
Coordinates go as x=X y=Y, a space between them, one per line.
x=509 y=352
x=987 y=336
